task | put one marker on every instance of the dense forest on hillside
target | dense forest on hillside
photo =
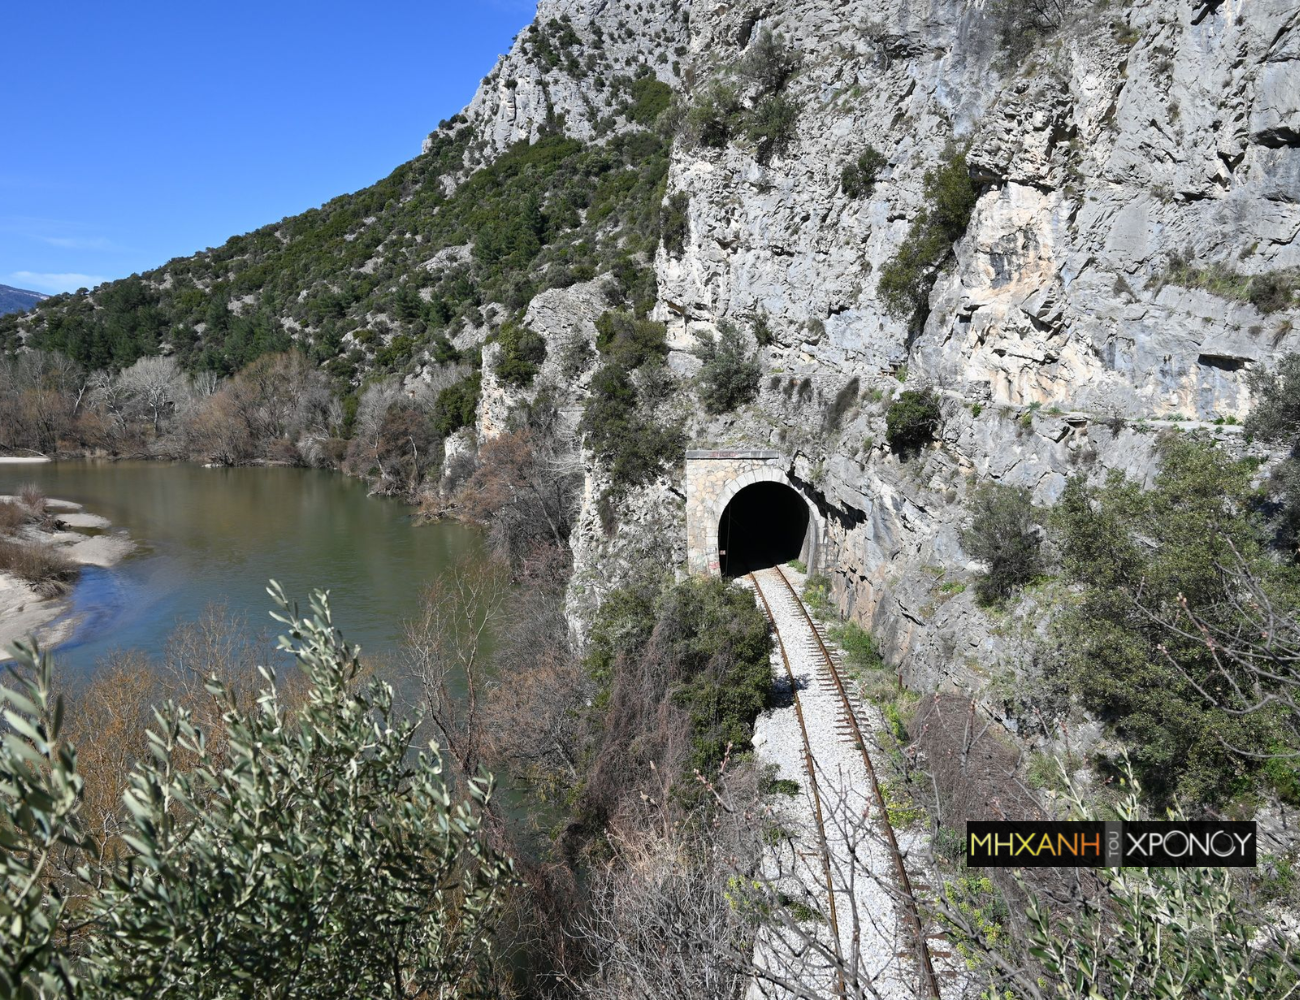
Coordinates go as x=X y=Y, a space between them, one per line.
x=360 y=282
x=366 y=291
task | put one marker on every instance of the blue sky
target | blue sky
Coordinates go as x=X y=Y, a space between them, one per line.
x=137 y=132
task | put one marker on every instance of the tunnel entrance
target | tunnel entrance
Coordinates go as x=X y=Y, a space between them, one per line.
x=765 y=524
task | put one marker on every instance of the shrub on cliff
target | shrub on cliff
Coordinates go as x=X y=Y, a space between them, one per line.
x=633 y=445
x=1005 y=535
x=618 y=425
x=630 y=341
x=843 y=402
x=1276 y=416
x=1021 y=25
x=1276 y=419
x=912 y=420
x=714 y=117
x=1274 y=290
x=1267 y=291
x=907 y=278
x=575 y=356
x=772 y=126
x=769 y=62
x=675 y=223
x=455 y=406
x=731 y=371
x=858 y=179
x=522 y=352
x=649 y=98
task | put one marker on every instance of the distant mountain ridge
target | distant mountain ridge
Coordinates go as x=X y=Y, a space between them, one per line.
x=18 y=299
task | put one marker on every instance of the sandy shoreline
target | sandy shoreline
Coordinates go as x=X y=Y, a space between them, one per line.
x=23 y=611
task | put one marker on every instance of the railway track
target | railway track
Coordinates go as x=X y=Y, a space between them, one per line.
x=849 y=729
x=810 y=769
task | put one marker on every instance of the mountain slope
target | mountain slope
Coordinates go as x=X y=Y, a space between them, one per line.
x=379 y=279
x=363 y=271
x=18 y=299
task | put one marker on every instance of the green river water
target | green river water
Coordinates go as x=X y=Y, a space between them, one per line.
x=209 y=536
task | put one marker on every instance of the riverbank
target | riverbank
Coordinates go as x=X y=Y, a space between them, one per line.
x=64 y=534
x=413 y=495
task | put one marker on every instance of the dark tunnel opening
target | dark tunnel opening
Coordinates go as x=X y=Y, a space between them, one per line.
x=765 y=524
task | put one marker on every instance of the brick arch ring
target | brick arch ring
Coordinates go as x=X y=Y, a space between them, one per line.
x=816 y=523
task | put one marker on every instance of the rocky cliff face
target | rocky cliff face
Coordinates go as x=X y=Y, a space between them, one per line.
x=1136 y=134
x=1070 y=327
x=561 y=70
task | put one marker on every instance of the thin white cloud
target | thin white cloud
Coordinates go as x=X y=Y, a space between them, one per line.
x=46 y=282
x=79 y=242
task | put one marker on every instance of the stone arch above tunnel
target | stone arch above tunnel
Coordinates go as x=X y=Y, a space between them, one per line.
x=713 y=479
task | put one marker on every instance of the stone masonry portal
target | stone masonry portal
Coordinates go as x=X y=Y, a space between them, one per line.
x=713 y=478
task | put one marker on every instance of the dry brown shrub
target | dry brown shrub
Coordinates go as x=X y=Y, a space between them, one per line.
x=531 y=720
x=12 y=517
x=282 y=451
x=109 y=715
x=216 y=432
x=642 y=735
x=664 y=915
x=333 y=451
x=40 y=420
x=974 y=774
x=108 y=720
x=220 y=644
x=443 y=652
x=91 y=431
x=33 y=498
x=527 y=492
x=973 y=770
x=47 y=569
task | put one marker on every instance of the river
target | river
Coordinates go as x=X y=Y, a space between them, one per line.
x=209 y=536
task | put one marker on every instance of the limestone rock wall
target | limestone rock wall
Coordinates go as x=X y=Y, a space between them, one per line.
x=1140 y=133
x=560 y=316
x=560 y=70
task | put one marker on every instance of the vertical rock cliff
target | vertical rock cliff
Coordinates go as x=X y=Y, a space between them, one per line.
x=1134 y=170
